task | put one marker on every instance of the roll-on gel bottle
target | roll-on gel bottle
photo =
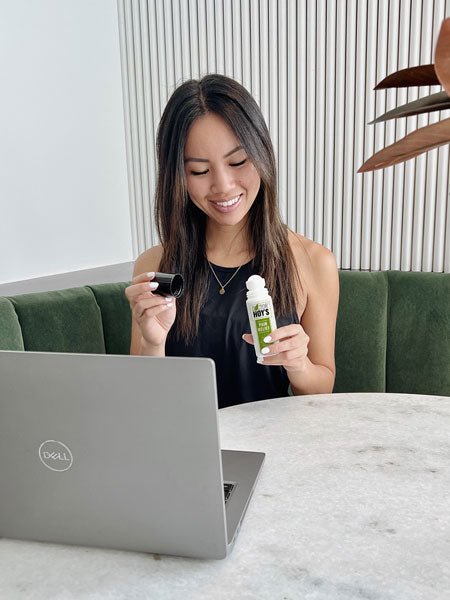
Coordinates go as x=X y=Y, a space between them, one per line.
x=260 y=313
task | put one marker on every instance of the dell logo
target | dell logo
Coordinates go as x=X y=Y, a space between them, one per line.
x=56 y=456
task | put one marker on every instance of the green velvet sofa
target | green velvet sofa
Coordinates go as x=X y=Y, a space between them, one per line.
x=392 y=333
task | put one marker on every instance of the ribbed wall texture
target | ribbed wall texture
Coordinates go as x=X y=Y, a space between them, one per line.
x=312 y=66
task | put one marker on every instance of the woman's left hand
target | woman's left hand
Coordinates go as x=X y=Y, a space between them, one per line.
x=291 y=350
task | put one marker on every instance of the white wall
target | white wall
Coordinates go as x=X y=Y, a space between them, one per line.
x=63 y=176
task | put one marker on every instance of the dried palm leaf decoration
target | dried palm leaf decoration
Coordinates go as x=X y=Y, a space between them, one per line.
x=425 y=138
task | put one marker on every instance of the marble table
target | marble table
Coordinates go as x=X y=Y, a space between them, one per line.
x=353 y=503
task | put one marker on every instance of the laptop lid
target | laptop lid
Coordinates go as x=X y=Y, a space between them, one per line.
x=111 y=451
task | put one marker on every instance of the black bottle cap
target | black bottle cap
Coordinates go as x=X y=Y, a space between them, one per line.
x=169 y=284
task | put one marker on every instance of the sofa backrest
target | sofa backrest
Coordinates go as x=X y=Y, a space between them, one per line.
x=418 y=333
x=91 y=319
x=392 y=331
x=360 y=350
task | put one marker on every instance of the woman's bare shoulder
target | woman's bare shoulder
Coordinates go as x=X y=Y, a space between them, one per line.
x=311 y=257
x=148 y=261
x=318 y=270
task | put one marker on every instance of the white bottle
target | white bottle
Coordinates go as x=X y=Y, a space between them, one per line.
x=260 y=313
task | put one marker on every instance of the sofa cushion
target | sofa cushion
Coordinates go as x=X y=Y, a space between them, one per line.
x=418 y=339
x=60 y=321
x=116 y=316
x=10 y=333
x=360 y=351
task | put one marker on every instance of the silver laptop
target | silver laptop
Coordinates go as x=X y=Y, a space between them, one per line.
x=118 y=452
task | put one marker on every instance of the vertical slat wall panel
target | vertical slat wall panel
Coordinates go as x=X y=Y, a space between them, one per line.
x=300 y=162
x=185 y=41
x=177 y=40
x=211 y=37
x=272 y=79
x=411 y=174
x=264 y=58
x=124 y=52
x=162 y=55
x=219 y=41
x=329 y=151
x=320 y=73
x=255 y=61
x=339 y=133
x=441 y=228
x=291 y=196
x=246 y=51
x=154 y=92
x=369 y=132
x=360 y=117
x=400 y=132
x=283 y=109
x=203 y=57
x=132 y=126
x=446 y=210
x=194 y=39
x=142 y=119
x=311 y=66
x=349 y=132
x=228 y=35
x=431 y=193
x=237 y=40
x=381 y=53
x=422 y=162
x=391 y=65
x=310 y=123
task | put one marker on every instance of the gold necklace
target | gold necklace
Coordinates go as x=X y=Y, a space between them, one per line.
x=222 y=286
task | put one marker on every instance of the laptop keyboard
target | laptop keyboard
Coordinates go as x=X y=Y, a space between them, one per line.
x=228 y=487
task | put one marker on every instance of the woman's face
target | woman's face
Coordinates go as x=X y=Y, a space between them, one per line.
x=221 y=180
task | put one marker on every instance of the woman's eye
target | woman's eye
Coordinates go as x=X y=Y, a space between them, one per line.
x=231 y=165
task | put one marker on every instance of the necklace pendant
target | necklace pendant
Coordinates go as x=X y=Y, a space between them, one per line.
x=222 y=291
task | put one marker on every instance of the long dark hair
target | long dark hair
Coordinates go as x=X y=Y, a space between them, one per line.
x=181 y=225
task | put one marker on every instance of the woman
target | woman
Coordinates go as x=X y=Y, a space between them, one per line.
x=218 y=222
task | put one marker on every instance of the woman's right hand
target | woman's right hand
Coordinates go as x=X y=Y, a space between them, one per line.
x=154 y=314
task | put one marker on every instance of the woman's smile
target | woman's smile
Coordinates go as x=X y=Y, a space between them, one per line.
x=226 y=206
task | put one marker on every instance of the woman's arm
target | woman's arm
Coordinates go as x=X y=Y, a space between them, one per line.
x=306 y=351
x=315 y=372
x=149 y=325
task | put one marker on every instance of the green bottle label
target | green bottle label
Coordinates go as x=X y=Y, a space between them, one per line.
x=263 y=328
x=262 y=313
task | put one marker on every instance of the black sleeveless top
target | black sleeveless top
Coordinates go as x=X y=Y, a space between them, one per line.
x=223 y=320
